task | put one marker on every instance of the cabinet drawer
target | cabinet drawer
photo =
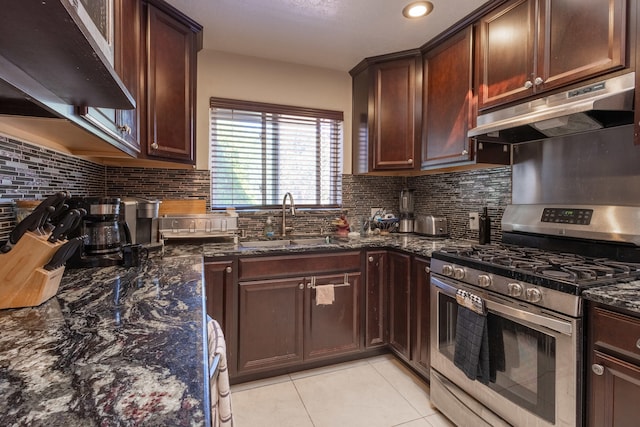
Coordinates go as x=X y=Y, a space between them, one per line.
x=296 y=265
x=613 y=330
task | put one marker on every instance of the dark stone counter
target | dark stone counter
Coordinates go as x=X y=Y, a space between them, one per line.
x=114 y=347
x=411 y=243
x=622 y=295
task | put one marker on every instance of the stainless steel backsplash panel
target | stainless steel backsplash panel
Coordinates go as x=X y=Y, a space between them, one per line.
x=593 y=168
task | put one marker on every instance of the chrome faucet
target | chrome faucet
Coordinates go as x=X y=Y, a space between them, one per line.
x=284 y=213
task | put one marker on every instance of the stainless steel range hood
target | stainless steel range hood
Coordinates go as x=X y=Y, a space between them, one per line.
x=606 y=103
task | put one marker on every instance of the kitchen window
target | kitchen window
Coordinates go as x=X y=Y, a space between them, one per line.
x=259 y=152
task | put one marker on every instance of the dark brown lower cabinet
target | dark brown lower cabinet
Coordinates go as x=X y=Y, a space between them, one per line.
x=333 y=329
x=274 y=322
x=399 y=276
x=613 y=371
x=219 y=277
x=376 y=290
x=280 y=324
x=270 y=328
x=420 y=318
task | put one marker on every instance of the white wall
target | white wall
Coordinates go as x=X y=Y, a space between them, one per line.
x=246 y=78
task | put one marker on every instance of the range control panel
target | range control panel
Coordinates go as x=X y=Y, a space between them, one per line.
x=567 y=216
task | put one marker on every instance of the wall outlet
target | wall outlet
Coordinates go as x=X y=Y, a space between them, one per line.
x=474 y=223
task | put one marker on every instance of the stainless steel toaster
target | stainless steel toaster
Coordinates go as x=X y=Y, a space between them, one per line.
x=431 y=225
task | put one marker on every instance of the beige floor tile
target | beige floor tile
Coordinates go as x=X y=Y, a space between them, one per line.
x=439 y=420
x=415 y=423
x=276 y=405
x=260 y=383
x=409 y=385
x=328 y=369
x=353 y=397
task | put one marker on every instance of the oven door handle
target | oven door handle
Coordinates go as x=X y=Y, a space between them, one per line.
x=556 y=325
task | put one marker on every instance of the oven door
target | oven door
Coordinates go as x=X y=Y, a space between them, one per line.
x=533 y=355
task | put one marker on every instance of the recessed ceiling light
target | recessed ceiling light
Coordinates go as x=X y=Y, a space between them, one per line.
x=417 y=9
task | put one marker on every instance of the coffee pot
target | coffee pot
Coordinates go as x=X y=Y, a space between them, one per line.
x=105 y=234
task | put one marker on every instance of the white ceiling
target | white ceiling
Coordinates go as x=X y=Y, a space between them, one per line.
x=335 y=34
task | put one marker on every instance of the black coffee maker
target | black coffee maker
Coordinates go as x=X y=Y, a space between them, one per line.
x=106 y=235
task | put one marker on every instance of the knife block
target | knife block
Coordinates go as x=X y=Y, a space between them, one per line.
x=23 y=281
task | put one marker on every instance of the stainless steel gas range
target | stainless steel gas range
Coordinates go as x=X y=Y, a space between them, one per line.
x=506 y=319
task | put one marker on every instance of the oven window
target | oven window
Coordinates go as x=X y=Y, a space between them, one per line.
x=522 y=359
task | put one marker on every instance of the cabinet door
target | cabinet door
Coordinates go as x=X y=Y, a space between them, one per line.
x=578 y=39
x=333 y=329
x=447 y=101
x=531 y=46
x=420 y=347
x=395 y=123
x=122 y=125
x=506 y=46
x=171 y=68
x=219 y=280
x=270 y=324
x=128 y=64
x=399 y=303
x=615 y=387
x=376 y=299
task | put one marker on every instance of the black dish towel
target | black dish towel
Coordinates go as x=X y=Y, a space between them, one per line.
x=471 y=353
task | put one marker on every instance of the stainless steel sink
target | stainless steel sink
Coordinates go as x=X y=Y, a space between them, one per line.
x=265 y=243
x=282 y=243
x=309 y=241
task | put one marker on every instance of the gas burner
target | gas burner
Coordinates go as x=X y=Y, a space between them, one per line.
x=562 y=266
x=557 y=274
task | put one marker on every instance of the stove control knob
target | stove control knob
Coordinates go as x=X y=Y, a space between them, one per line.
x=514 y=289
x=484 y=280
x=533 y=295
x=458 y=273
x=447 y=270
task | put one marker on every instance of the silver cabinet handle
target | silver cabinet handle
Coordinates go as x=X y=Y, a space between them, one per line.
x=538 y=81
x=410 y=161
x=638 y=343
x=465 y=152
x=528 y=84
x=370 y=259
x=427 y=270
x=309 y=285
x=301 y=286
x=155 y=145
x=228 y=269
x=597 y=369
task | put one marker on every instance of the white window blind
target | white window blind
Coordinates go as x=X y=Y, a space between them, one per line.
x=261 y=151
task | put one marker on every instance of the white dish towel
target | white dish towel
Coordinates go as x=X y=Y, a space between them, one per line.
x=221 y=413
x=325 y=295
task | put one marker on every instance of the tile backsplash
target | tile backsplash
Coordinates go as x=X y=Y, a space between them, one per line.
x=29 y=171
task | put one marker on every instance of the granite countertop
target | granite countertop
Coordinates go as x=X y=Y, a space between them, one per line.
x=124 y=347
x=622 y=295
x=114 y=347
x=411 y=243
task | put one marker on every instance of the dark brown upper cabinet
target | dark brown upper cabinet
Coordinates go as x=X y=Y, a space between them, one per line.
x=531 y=46
x=395 y=126
x=172 y=43
x=447 y=101
x=387 y=93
